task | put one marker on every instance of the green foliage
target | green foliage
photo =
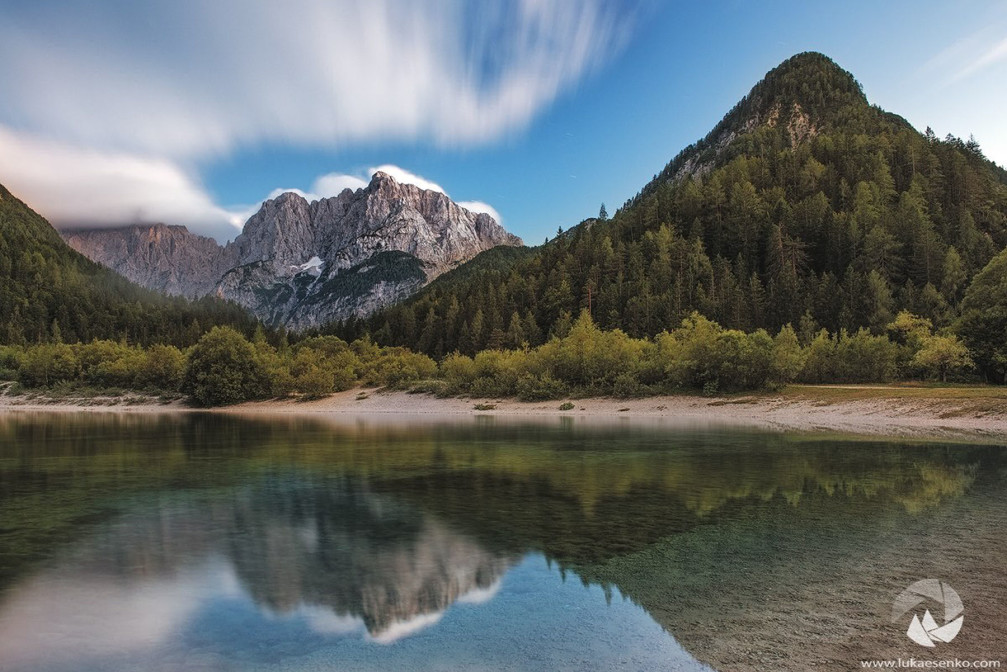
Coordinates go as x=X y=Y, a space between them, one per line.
x=396 y=367
x=47 y=365
x=588 y=357
x=850 y=358
x=940 y=355
x=788 y=358
x=703 y=355
x=863 y=357
x=983 y=324
x=700 y=355
x=163 y=368
x=223 y=368
x=10 y=362
x=323 y=365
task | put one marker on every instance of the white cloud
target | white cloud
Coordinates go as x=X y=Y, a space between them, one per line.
x=114 y=616
x=191 y=79
x=333 y=184
x=481 y=595
x=72 y=186
x=967 y=55
x=479 y=206
x=403 y=176
x=396 y=630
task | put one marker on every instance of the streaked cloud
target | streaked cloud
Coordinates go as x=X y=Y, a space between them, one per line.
x=991 y=56
x=111 y=108
x=967 y=55
x=191 y=79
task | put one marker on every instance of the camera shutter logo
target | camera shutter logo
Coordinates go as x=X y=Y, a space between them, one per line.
x=926 y=631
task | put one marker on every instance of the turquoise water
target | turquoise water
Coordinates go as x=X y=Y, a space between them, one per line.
x=201 y=542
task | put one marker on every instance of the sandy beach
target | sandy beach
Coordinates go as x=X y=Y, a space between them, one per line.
x=865 y=410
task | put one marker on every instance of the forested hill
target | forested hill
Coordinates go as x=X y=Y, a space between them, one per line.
x=804 y=205
x=49 y=292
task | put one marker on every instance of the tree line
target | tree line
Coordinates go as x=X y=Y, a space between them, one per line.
x=225 y=367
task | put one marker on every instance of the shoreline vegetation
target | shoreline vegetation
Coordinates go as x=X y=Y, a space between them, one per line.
x=699 y=372
x=581 y=360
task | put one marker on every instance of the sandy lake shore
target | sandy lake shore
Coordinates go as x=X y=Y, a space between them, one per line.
x=961 y=413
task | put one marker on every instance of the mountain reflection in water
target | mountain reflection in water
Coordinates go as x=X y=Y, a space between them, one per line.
x=200 y=541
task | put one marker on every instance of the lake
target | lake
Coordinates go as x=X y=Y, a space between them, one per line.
x=199 y=541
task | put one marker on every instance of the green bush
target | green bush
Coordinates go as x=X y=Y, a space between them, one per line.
x=941 y=355
x=741 y=361
x=627 y=386
x=162 y=368
x=819 y=359
x=123 y=372
x=539 y=388
x=458 y=371
x=788 y=357
x=47 y=365
x=689 y=352
x=10 y=362
x=865 y=358
x=590 y=357
x=223 y=368
x=396 y=367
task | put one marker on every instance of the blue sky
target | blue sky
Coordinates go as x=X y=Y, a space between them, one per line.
x=192 y=112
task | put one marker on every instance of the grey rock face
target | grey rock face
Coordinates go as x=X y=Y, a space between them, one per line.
x=169 y=259
x=303 y=264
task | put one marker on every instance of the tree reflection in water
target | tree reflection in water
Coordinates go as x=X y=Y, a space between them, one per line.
x=375 y=529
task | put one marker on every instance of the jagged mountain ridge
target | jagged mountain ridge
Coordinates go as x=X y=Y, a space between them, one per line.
x=302 y=264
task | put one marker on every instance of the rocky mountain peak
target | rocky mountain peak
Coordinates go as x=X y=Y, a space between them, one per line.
x=804 y=95
x=302 y=263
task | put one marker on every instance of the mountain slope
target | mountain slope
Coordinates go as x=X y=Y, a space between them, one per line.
x=805 y=204
x=49 y=290
x=168 y=259
x=302 y=264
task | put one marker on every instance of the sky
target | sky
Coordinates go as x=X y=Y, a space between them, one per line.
x=193 y=112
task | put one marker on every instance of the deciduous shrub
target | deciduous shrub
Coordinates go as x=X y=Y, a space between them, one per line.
x=46 y=365
x=223 y=368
